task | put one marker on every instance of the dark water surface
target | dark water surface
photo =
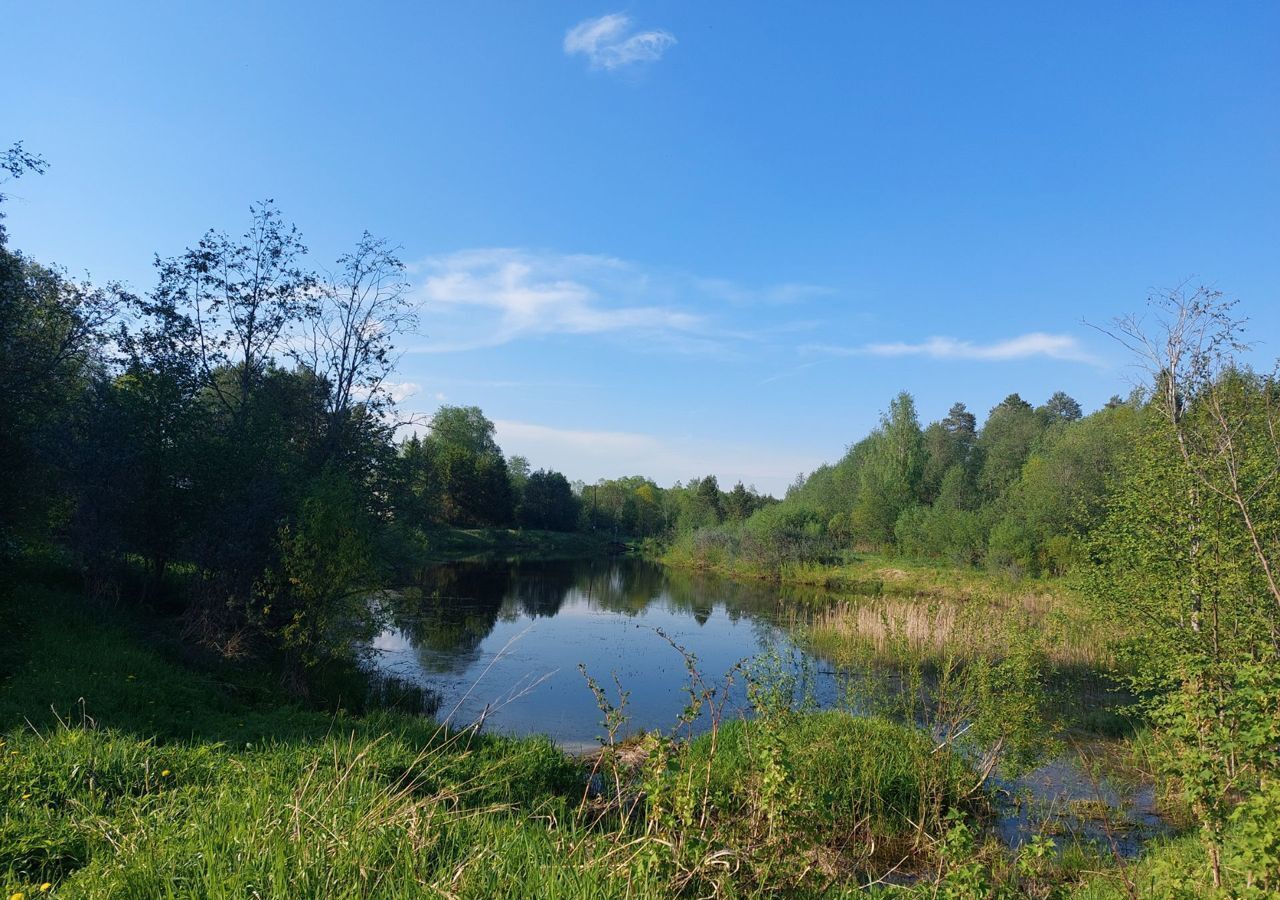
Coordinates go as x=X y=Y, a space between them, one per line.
x=504 y=642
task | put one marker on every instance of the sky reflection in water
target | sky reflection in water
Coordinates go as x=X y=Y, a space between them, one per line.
x=504 y=641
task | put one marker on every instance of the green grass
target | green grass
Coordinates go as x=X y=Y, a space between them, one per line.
x=133 y=766
x=127 y=774
x=853 y=775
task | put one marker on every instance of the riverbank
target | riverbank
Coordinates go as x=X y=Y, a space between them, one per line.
x=891 y=607
x=136 y=766
x=950 y=633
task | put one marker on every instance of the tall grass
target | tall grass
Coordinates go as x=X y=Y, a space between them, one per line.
x=133 y=768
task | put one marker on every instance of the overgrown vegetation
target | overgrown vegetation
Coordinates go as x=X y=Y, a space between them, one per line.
x=214 y=462
x=132 y=769
x=1145 y=538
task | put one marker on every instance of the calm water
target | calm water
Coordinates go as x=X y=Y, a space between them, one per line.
x=503 y=643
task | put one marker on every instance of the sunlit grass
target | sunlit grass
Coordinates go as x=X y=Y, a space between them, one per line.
x=127 y=772
x=131 y=770
x=892 y=609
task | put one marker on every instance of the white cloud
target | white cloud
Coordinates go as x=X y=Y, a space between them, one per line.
x=609 y=42
x=493 y=296
x=401 y=390
x=1026 y=346
x=591 y=455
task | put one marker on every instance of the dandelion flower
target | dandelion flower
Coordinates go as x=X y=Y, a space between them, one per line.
x=44 y=888
x=164 y=774
x=18 y=896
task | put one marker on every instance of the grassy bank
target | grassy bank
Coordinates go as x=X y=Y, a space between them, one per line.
x=133 y=766
x=894 y=607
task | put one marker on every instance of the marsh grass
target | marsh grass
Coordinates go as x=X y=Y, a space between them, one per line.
x=931 y=628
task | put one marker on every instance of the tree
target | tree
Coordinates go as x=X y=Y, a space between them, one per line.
x=740 y=503
x=232 y=302
x=17 y=162
x=315 y=598
x=463 y=469
x=701 y=507
x=1008 y=437
x=358 y=313
x=946 y=444
x=464 y=427
x=518 y=468
x=1188 y=555
x=1060 y=495
x=889 y=476
x=52 y=331
x=548 y=502
x=1060 y=408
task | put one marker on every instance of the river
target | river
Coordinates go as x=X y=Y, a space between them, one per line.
x=504 y=643
x=504 y=646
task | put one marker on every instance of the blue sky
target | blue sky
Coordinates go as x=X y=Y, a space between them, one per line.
x=674 y=238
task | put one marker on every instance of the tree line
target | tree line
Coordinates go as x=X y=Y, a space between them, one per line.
x=1020 y=493
x=227 y=441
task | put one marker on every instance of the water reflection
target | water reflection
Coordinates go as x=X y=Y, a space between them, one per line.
x=502 y=642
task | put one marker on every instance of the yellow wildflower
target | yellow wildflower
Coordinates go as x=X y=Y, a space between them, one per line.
x=44 y=888
x=164 y=774
x=18 y=896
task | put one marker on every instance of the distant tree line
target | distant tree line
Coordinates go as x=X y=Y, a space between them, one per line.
x=1021 y=493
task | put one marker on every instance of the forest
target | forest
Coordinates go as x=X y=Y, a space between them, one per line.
x=206 y=481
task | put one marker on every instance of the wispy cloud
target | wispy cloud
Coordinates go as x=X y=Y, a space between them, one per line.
x=610 y=42
x=1027 y=346
x=493 y=296
x=784 y=294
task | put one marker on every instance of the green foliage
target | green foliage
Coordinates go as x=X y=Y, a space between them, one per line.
x=1253 y=843
x=1008 y=436
x=630 y=506
x=960 y=873
x=457 y=474
x=1187 y=557
x=548 y=502
x=890 y=472
x=316 y=597
x=52 y=331
x=788 y=802
x=832 y=773
x=1018 y=495
x=166 y=780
